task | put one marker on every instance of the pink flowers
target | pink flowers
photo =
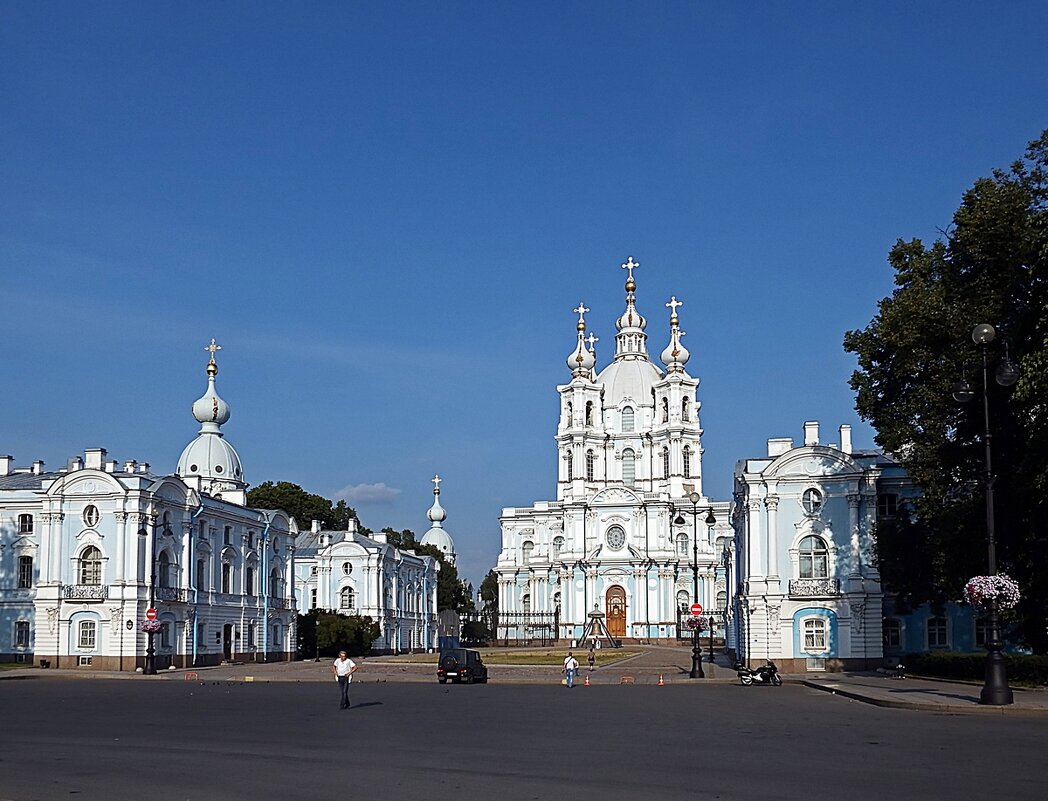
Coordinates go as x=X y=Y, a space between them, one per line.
x=151 y=626
x=984 y=590
x=696 y=623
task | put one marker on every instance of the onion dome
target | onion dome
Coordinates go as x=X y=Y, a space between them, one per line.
x=436 y=535
x=675 y=356
x=581 y=360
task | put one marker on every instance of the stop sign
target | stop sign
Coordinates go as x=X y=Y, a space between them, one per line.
x=696 y=609
x=151 y=614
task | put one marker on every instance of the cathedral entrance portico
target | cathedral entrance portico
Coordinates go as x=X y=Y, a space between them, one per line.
x=616 y=605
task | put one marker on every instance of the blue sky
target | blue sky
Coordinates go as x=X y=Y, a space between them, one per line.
x=385 y=213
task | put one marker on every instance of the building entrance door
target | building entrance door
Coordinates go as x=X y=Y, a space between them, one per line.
x=227 y=642
x=616 y=602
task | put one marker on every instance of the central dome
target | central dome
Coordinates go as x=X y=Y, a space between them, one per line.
x=628 y=378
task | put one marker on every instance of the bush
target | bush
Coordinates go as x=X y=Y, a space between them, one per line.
x=322 y=633
x=1029 y=670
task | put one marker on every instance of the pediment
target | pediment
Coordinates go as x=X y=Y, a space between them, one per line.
x=615 y=495
x=86 y=482
x=813 y=463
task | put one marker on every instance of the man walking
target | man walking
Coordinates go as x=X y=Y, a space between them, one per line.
x=571 y=667
x=344 y=668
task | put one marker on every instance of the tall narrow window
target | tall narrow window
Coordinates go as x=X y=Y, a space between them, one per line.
x=683 y=600
x=571 y=466
x=892 y=633
x=163 y=570
x=629 y=467
x=201 y=575
x=165 y=635
x=525 y=602
x=687 y=462
x=682 y=544
x=25 y=572
x=86 y=636
x=628 y=421
x=313 y=598
x=813 y=558
x=666 y=462
x=665 y=410
x=227 y=577
x=346 y=598
x=25 y=524
x=22 y=634
x=589 y=465
x=589 y=413
x=938 y=636
x=276 y=589
x=558 y=546
x=526 y=550
x=249 y=580
x=569 y=410
x=89 y=566
x=684 y=415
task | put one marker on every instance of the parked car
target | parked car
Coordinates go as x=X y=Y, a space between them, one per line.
x=461 y=664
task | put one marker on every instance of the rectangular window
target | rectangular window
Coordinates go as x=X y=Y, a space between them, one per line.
x=21 y=634
x=25 y=572
x=815 y=634
x=87 y=630
x=313 y=598
x=165 y=635
x=250 y=635
x=200 y=636
x=201 y=575
x=251 y=539
x=887 y=505
x=249 y=581
x=892 y=632
x=937 y=633
x=227 y=535
x=227 y=577
x=25 y=524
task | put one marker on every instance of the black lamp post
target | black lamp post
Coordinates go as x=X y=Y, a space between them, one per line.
x=726 y=562
x=995 y=689
x=150 y=666
x=696 y=649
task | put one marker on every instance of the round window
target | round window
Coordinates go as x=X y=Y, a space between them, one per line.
x=218 y=468
x=812 y=501
x=347 y=568
x=91 y=516
x=192 y=468
x=616 y=537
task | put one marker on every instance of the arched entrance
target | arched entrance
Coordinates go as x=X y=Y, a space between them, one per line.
x=616 y=605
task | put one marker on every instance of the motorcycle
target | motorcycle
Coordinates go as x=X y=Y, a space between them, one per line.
x=765 y=674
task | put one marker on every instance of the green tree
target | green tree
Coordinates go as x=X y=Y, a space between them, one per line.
x=405 y=540
x=991 y=266
x=489 y=592
x=304 y=506
x=324 y=633
x=451 y=591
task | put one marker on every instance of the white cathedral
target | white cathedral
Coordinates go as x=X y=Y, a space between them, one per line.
x=630 y=537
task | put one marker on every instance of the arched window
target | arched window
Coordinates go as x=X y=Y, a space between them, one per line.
x=201 y=575
x=722 y=599
x=666 y=462
x=683 y=600
x=249 y=580
x=525 y=602
x=558 y=546
x=629 y=467
x=590 y=459
x=684 y=410
x=812 y=501
x=813 y=558
x=571 y=466
x=815 y=639
x=682 y=544
x=89 y=566
x=275 y=588
x=526 y=549
x=628 y=421
x=568 y=413
x=227 y=577
x=163 y=570
x=346 y=598
x=665 y=410
x=589 y=413
x=25 y=524
x=687 y=461
x=556 y=601
x=25 y=572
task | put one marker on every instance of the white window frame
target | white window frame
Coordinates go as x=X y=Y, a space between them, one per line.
x=889 y=625
x=20 y=626
x=823 y=629
x=944 y=629
x=346 y=598
x=89 y=571
x=629 y=477
x=87 y=635
x=629 y=419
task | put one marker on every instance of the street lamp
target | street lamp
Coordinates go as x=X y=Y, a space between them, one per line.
x=995 y=689
x=726 y=562
x=150 y=666
x=696 y=649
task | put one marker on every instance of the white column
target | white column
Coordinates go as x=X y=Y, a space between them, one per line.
x=753 y=541
x=772 y=503
x=121 y=547
x=46 y=568
x=853 y=532
x=55 y=556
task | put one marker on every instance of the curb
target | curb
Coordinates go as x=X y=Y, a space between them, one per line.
x=922 y=706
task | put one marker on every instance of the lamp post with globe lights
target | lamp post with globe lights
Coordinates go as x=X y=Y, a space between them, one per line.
x=995 y=689
x=696 y=648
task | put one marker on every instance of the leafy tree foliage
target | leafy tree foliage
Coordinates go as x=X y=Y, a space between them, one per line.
x=992 y=267
x=489 y=591
x=451 y=591
x=304 y=506
x=323 y=633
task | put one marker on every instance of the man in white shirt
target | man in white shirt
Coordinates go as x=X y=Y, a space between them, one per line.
x=571 y=667
x=344 y=668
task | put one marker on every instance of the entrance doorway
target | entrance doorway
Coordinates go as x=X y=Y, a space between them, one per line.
x=616 y=603
x=227 y=642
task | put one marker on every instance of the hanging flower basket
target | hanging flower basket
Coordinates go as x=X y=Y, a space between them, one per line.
x=696 y=623
x=151 y=626
x=985 y=590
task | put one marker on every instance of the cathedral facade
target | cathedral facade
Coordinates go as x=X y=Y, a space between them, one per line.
x=631 y=539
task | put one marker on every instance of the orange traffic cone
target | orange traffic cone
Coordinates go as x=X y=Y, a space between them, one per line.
x=586 y=683
x=661 y=683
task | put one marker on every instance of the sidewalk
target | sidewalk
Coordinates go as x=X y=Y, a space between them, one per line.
x=922 y=694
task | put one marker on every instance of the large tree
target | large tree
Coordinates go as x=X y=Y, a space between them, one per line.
x=304 y=506
x=990 y=266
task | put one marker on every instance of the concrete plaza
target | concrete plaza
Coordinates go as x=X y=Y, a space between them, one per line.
x=221 y=737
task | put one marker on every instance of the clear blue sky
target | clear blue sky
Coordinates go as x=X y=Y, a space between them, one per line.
x=386 y=212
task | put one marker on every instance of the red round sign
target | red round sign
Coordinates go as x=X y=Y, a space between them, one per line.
x=696 y=609
x=151 y=614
